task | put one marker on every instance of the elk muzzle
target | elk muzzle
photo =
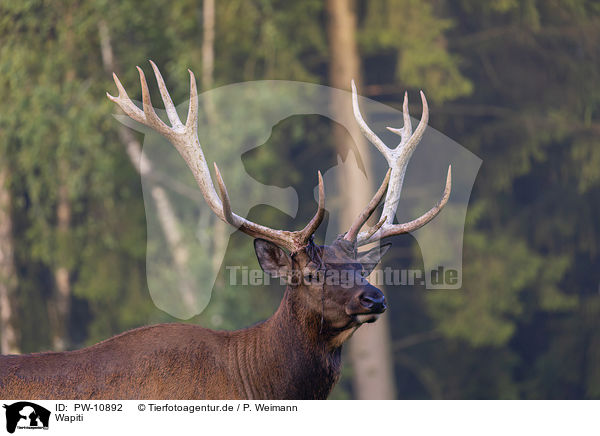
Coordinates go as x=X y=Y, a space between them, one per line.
x=374 y=300
x=367 y=305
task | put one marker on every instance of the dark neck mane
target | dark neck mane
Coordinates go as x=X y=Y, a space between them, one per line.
x=290 y=357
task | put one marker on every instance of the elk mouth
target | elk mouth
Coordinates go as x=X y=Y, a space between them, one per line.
x=366 y=318
x=367 y=307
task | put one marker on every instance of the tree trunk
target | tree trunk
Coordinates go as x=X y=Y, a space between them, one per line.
x=8 y=276
x=59 y=313
x=59 y=307
x=370 y=353
x=208 y=66
x=208 y=54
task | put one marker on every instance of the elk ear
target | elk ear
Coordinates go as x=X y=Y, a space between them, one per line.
x=272 y=259
x=369 y=259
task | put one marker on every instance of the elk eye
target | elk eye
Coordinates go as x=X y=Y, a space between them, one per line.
x=312 y=276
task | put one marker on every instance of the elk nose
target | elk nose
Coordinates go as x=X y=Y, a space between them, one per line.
x=374 y=300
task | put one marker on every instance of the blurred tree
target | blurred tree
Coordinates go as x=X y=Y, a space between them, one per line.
x=8 y=278
x=370 y=345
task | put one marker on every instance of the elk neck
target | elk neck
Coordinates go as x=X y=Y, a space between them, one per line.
x=289 y=355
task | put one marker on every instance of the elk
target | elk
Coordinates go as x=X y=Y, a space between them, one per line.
x=295 y=354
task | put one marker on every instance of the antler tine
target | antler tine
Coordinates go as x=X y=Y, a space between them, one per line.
x=399 y=229
x=409 y=141
x=227 y=213
x=366 y=213
x=151 y=118
x=192 y=118
x=406 y=129
x=364 y=128
x=125 y=103
x=376 y=227
x=397 y=159
x=166 y=98
x=406 y=116
x=316 y=220
x=185 y=140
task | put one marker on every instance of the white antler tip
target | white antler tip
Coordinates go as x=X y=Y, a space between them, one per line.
x=448 y=187
x=321 y=190
x=192 y=82
x=122 y=92
x=142 y=77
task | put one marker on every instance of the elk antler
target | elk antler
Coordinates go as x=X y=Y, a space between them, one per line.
x=397 y=159
x=185 y=140
x=362 y=218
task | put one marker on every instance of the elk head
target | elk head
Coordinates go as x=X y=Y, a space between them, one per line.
x=327 y=283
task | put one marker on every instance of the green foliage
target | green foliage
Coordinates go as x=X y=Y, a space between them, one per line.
x=497 y=271
x=515 y=81
x=417 y=35
x=530 y=239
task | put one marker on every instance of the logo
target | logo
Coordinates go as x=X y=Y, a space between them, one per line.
x=26 y=415
x=175 y=287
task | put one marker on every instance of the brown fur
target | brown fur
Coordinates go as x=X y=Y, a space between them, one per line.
x=295 y=354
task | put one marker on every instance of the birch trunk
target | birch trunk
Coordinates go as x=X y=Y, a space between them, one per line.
x=8 y=276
